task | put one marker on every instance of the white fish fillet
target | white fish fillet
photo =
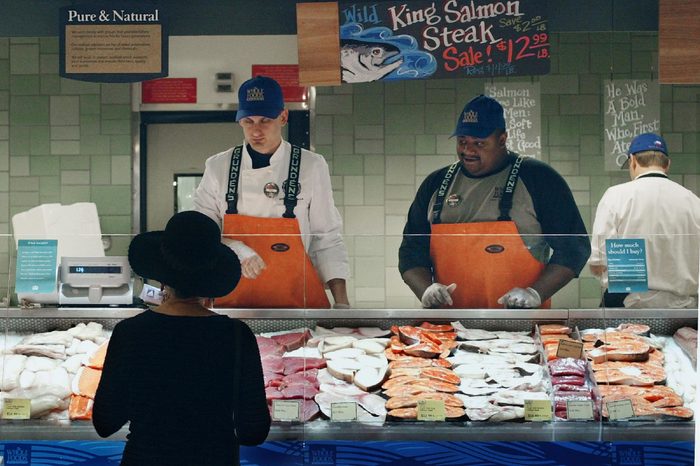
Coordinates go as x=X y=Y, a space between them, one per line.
x=373 y=332
x=40 y=363
x=483 y=413
x=91 y=331
x=474 y=402
x=50 y=351
x=48 y=338
x=517 y=397
x=11 y=366
x=508 y=413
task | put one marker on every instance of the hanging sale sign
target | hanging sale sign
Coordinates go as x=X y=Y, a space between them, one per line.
x=442 y=39
x=102 y=43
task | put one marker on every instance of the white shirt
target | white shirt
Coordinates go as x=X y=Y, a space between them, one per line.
x=667 y=216
x=319 y=220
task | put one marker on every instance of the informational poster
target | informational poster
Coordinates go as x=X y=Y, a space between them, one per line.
x=117 y=43
x=288 y=78
x=627 y=265
x=522 y=107
x=632 y=107
x=36 y=266
x=418 y=39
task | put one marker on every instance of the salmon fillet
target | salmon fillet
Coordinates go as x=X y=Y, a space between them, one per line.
x=80 y=408
x=549 y=329
x=97 y=360
x=87 y=381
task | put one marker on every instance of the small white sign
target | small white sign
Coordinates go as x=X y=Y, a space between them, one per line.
x=286 y=410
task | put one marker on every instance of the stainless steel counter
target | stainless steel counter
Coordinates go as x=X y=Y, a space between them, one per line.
x=403 y=431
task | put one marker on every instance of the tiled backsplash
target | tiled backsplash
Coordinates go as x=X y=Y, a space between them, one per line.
x=68 y=141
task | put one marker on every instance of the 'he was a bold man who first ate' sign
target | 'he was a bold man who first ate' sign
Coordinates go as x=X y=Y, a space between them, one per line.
x=413 y=39
x=632 y=107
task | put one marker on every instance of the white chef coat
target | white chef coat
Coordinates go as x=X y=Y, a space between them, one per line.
x=319 y=220
x=667 y=216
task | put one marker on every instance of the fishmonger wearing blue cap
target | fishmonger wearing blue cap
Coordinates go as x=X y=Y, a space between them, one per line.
x=275 y=205
x=662 y=212
x=493 y=229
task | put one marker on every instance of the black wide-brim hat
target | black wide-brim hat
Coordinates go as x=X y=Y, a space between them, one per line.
x=187 y=256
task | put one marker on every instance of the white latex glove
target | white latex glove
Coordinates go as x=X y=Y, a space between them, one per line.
x=437 y=294
x=251 y=263
x=521 y=298
x=341 y=306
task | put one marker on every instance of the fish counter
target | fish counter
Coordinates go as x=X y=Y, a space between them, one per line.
x=469 y=375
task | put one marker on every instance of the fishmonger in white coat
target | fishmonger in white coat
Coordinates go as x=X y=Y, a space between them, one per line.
x=275 y=205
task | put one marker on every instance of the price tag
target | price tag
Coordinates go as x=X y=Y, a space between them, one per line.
x=431 y=410
x=345 y=411
x=569 y=349
x=620 y=409
x=286 y=410
x=579 y=410
x=16 y=408
x=538 y=410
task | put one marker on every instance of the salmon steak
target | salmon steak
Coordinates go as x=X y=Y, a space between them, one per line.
x=549 y=329
x=407 y=390
x=633 y=351
x=451 y=412
x=659 y=396
x=428 y=327
x=625 y=373
x=450 y=400
x=441 y=374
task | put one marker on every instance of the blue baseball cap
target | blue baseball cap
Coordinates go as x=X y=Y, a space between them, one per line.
x=480 y=117
x=260 y=96
x=647 y=141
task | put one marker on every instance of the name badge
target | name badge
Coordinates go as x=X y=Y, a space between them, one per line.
x=271 y=189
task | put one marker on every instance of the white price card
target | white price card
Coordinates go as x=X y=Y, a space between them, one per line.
x=579 y=410
x=431 y=410
x=286 y=410
x=620 y=409
x=538 y=410
x=16 y=408
x=570 y=349
x=344 y=411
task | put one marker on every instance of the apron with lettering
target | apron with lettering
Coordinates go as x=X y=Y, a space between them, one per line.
x=484 y=259
x=289 y=279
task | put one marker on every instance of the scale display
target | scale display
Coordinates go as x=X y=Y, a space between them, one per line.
x=94 y=269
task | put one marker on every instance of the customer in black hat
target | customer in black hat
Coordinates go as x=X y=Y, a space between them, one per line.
x=188 y=380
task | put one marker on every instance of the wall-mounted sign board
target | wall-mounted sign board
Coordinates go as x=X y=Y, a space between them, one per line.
x=632 y=107
x=419 y=39
x=522 y=107
x=124 y=43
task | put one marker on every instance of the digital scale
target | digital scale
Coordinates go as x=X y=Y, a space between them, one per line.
x=95 y=281
x=91 y=281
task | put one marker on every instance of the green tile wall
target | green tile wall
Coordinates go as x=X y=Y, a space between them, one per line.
x=415 y=118
x=61 y=141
